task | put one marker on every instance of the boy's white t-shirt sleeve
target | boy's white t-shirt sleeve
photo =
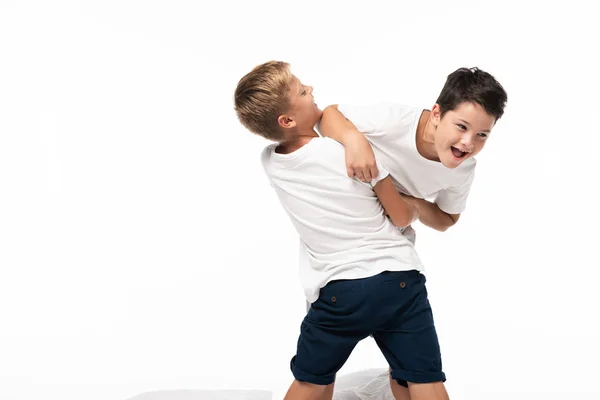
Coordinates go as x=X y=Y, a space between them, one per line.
x=382 y=174
x=265 y=158
x=454 y=200
x=378 y=117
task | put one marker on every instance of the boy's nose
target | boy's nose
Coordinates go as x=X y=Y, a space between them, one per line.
x=467 y=141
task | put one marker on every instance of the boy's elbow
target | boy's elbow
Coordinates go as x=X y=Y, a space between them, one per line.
x=330 y=108
x=446 y=225
x=401 y=221
x=442 y=228
x=450 y=221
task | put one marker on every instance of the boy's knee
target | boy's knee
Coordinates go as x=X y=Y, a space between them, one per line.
x=305 y=390
x=398 y=391
x=429 y=391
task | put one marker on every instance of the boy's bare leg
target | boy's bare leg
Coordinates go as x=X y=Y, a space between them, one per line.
x=399 y=391
x=419 y=391
x=428 y=391
x=328 y=395
x=308 y=391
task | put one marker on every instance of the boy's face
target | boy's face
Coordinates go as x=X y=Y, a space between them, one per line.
x=304 y=112
x=461 y=133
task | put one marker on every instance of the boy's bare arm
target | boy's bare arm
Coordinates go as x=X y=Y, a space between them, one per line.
x=338 y=127
x=431 y=215
x=360 y=162
x=360 y=159
x=401 y=212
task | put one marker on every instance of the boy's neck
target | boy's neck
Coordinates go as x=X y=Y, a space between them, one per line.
x=425 y=138
x=295 y=142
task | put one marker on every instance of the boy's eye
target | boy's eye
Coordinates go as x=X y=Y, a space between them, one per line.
x=462 y=127
x=303 y=92
x=483 y=135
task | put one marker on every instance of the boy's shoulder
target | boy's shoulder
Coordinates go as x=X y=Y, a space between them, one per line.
x=387 y=117
x=315 y=146
x=383 y=106
x=268 y=150
x=468 y=166
x=322 y=153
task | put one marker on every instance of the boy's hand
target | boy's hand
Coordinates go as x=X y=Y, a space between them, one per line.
x=360 y=159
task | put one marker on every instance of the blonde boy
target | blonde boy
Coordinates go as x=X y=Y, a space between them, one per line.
x=363 y=276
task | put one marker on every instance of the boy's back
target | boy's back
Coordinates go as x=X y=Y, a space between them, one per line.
x=340 y=220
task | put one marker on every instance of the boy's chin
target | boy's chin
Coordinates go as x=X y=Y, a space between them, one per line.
x=450 y=161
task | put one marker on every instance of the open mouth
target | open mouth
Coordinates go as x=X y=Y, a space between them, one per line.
x=458 y=154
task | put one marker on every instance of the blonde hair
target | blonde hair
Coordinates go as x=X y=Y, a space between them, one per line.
x=261 y=96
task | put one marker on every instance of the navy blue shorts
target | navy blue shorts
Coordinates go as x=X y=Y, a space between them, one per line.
x=392 y=307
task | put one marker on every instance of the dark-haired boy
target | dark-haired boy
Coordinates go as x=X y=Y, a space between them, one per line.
x=428 y=153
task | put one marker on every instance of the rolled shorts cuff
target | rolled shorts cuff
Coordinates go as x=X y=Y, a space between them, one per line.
x=304 y=376
x=402 y=377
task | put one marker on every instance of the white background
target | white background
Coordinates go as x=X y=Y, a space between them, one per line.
x=141 y=247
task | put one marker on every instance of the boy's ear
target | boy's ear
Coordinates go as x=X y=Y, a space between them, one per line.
x=286 y=121
x=436 y=114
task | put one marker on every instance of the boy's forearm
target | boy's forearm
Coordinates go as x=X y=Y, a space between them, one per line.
x=431 y=215
x=400 y=211
x=337 y=127
x=409 y=213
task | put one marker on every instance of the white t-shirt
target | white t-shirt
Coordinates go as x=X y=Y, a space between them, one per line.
x=391 y=129
x=344 y=233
